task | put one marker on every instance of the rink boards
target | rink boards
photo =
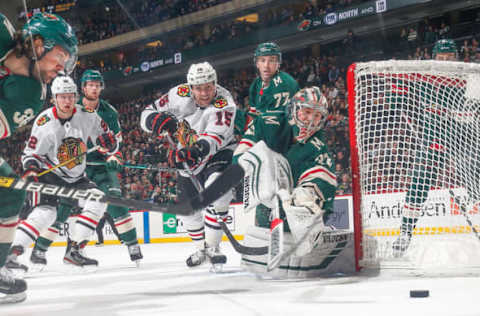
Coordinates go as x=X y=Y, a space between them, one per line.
x=155 y=227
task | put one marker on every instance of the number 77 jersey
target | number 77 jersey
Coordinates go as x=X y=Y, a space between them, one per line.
x=214 y=123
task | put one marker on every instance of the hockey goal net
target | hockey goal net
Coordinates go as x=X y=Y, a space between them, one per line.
x=415 y=148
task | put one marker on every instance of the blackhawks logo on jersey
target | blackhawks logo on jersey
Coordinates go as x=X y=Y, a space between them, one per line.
x=42 y=120
x=220 y=102
x=183 y=91
x=69 y=149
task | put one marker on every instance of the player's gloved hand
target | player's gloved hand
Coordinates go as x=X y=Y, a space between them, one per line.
x=162 y=122
x=115 y=162
x=107 y=142
x=188 y=156
x=31 y=171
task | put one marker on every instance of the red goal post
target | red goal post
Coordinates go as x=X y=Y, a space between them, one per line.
x=415 y=128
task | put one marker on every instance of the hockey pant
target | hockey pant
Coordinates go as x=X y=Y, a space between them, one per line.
x=202 y=227
x=11 y=203
x=45 y=213
x=107 y=182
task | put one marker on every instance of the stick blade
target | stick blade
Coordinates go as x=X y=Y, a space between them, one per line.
x=275 y=249
x=225 y=182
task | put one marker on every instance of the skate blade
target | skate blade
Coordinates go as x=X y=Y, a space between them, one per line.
x=37 y=267
x=76 y=268
x=18 y=273
x=216 y=268
x=13 y=298
x=138 y=263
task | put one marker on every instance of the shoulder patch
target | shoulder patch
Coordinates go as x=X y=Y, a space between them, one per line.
x=4 y=72
x=84 y=109
x=183 y=91
x=42 y=120
x=220 y=102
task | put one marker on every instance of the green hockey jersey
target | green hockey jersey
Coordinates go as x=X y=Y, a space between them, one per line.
x=110 y=116
x=21 y=98
x=310 y=163
x=276 y=96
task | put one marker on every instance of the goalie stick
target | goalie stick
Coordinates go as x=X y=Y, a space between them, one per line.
x=464 y=213
x=227 y=180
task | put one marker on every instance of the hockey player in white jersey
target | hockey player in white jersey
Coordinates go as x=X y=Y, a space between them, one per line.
x=200 y=116
x=59 y=134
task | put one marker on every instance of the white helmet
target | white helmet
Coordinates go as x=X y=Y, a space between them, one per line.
x=63 y=84
x=201 y=73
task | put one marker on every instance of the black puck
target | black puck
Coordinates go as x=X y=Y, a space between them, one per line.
x=419 y=293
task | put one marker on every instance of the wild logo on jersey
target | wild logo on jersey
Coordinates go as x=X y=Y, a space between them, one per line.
x=183 y=91
x=4 y=72
x=220 y=102
x=69 y=149
x=42 y=120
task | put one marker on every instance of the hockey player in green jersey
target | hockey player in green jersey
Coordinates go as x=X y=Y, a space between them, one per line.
x=431 y=160
x=285 y=155
x=29 y=59
x=104 y=176
x=272 y=89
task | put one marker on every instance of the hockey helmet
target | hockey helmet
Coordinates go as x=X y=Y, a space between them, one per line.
x=54 y=31
x=92 y=75
x=267 y=49
x=201 y=73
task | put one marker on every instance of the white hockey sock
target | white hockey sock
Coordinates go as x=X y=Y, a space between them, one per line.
x=213 y=232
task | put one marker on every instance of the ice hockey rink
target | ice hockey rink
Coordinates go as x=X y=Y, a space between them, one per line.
x=163 y=285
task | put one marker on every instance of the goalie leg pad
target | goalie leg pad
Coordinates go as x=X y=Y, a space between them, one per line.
x=264 y=167
x=333 y=254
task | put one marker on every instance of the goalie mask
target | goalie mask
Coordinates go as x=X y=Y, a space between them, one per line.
x=308 y=111
x=445 y=49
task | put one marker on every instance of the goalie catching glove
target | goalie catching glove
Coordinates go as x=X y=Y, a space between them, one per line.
x=190 y=156
x=162 y=122
x=107 y=142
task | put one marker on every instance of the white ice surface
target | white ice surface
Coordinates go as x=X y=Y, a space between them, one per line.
x=163 y=285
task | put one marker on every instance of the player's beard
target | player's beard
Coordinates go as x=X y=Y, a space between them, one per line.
x=90 y=98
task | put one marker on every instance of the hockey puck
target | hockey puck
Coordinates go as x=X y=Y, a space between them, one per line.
x=419 y=293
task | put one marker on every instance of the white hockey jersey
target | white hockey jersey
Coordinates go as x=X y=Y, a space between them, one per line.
x=214 y=123
x=54 y=141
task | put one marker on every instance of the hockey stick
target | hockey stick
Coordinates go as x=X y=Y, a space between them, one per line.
x=126 y=165
x=464 y=213
x=227 y=180
x=245 y=250
x=66 y=162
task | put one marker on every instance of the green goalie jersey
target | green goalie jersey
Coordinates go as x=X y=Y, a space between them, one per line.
x=276 y=96
x=21 y=98
x=310 y=163
x=110 y=116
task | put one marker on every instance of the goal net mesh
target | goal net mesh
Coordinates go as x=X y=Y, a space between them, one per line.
x=415 y=141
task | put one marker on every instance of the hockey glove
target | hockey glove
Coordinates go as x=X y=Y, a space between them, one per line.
x=107 y=142
x=162 y=122
x=31 y=171
x=190 y=156
x=115 y=162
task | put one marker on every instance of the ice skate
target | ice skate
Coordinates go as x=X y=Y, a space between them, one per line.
x=12 y=262
x=12 y=290
x=76 y=257
x=197 y=258
x=216 y=258
x=135 y=254
x=401 y=244
x=38 y=260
